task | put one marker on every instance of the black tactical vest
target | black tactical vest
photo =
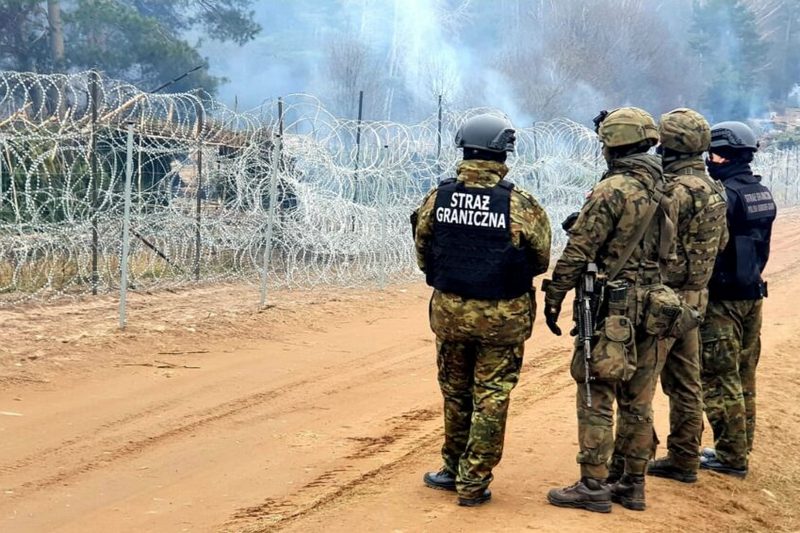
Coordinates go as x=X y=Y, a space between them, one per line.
x=471 y=253
x=737 y=271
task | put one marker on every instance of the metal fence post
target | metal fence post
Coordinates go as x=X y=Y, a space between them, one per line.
x=277 y=149
x=93 y=96
x=198 y=209
x=126 y=226
x=439 y=142
x=382 y=216
x=358 y=127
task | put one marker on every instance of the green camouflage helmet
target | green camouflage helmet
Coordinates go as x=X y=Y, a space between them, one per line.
x=684 y=130
x=625 y=126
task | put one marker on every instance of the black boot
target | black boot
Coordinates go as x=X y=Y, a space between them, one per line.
x=629 y=492
x=588 y=493
x=441 y=480
x=666 y=467
x=616 y=467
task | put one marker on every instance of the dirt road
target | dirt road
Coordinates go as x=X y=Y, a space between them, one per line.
x=322 y=414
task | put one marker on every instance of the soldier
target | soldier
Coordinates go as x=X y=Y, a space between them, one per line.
x=480 y=241
x=731 y=333
x=624 y=228
x=702 y=234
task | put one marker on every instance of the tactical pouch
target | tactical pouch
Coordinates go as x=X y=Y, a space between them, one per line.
x=617 y=293
x=689 y=320
x=614 y=355
x=663 y=311
x=694 y=308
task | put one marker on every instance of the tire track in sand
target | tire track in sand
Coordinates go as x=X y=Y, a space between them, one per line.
x=407 y=433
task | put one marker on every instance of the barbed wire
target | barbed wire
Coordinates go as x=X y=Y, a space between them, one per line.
x=202 y=173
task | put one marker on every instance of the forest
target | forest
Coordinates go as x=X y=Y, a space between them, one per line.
x=536 y=59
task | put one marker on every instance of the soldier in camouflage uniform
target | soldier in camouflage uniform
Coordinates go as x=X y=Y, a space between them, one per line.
x=702 y=234
x=480 y=241
x=731 y=333
x=611 y=225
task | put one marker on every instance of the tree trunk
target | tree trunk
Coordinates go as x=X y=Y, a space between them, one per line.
x=56 y=33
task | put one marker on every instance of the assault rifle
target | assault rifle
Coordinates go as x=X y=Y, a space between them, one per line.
x=586 y=301
x=588 y=295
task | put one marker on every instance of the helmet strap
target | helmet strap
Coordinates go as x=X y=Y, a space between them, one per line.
x=629 y=149
x=484 y=155
x=670 y=156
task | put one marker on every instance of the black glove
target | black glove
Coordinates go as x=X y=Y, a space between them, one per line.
x=569 y=221
x=551 y=312
x=552 y=308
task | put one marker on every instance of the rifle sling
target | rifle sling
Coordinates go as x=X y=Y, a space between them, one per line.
x=655 y=201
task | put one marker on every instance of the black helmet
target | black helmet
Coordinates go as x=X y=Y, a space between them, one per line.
x=490 y=133
x=732 y=135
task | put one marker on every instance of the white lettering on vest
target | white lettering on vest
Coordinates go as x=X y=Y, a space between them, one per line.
x=469 y=217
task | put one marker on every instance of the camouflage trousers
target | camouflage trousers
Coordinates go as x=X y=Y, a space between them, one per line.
x=680 y=381
x=634 y=437
x=476 y=380
x=731 y=337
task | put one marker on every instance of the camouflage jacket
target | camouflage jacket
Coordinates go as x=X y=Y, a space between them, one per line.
x=608 y=220
x=502 y=321
x=702 y=231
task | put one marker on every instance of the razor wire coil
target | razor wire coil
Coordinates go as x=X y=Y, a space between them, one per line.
x=345 y=188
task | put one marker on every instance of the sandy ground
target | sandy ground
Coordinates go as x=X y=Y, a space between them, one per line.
x=321 y=414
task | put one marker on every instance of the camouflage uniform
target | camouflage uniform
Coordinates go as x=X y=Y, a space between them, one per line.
x=731 y=337
x=615 y=231
x=699 y=203
x=479 y=343
x=731 y=333
x=608 y=220
x=702 y=234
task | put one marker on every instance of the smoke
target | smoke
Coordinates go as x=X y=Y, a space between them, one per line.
x=418 y=50
x=794 y=96
x=531 y=59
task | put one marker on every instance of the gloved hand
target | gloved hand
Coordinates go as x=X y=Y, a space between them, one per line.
x=569 y=221
x=551 y=312
x=552 y=307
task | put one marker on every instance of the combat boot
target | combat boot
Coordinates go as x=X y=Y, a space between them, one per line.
x=588 y=493
x=616 y=467
x=629 y=492
x=665 y=467
x=441 y=480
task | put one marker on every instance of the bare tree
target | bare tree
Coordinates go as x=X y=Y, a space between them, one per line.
x=572 y=59
x=350 y=67
x=441 y=79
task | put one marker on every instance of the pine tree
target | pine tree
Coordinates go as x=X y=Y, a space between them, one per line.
x=732 y=52
x=141 y=41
